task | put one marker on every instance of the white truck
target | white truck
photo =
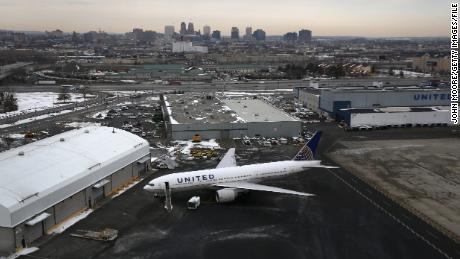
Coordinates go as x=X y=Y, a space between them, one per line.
x=193 y=203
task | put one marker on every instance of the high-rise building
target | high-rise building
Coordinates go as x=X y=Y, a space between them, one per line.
x=235 y=33
x=248 y=35
x=190 y=28
x=216 y=35
x=248 y=32
x=169 y=30
x=206 y=30
x=183 y=28
x=304 y=35
x=138 y=33
x=290 y=36
x=259 y=34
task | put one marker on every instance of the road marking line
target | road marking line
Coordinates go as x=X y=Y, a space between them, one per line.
x=390 y=215
x=387 y=203
x=405 y=216
x=432 y=234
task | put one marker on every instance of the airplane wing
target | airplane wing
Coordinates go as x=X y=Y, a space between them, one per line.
x=260 y=187
x=228 y=160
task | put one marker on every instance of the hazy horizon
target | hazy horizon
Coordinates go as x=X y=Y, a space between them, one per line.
x=390 y=18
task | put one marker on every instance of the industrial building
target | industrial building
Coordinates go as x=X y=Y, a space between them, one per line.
x=396 y=117
x=332 y=100
x=187 y=47
x=223 y=118
x=45 y=183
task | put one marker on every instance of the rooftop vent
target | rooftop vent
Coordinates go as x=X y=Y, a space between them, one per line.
x=21 y=153
x=62 y=139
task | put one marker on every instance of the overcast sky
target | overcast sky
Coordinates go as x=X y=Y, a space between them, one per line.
x=333 y=17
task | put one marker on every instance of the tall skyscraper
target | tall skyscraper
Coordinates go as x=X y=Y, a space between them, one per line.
x=206 y=30
x=190 y=28
x=235 y=33
x=183 y=28
x=259 y=34
x=290 y=36
x=169 y=30
x=248 y=32
x=304 y=35
x=216 y=35
x=138 y=33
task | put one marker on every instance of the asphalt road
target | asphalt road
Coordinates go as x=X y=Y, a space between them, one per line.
x=221 y=85
x=347 y=218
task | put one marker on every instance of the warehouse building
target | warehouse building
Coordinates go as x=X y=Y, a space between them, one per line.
x=224 y=118
x=357 y=118
x=331 y=100
x=44 y=183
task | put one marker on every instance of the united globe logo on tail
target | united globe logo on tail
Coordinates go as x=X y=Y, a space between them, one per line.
x=308 y=151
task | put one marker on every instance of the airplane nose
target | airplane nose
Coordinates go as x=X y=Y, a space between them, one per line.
x=149 y=188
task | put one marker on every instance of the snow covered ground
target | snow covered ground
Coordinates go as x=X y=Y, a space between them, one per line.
x=411 y=73
x=36 y=101
x=99 y=115
x=16 y=136
x=81 y=124
x=168 y=107
x=126 y=93
x=120 y=192
x=153 y=98
x=405 y=72
x=71 y=221
x=21 y=252
x=186 y=146
x=44 y=116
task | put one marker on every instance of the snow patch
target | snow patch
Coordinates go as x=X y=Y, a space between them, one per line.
x=37 y=101
x=168 y=108
x=16 y=136
x=81 y=124
x=153 y=98
x=186 y=146
x=71 y=221
x=22 y=252
x=120 y=192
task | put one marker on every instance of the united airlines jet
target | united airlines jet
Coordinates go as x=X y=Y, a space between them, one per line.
x=231 y=180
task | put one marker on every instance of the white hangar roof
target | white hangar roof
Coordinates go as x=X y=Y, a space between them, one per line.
x=39 y=175
x=255 y=110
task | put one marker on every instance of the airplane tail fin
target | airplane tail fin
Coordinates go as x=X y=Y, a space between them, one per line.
x=309 y=150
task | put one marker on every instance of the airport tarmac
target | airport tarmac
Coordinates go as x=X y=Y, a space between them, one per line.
x=344 y=220
x=422 y=175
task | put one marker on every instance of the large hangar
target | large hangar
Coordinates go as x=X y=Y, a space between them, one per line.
x=44 y=183
x=225 y=118
x=332 y=100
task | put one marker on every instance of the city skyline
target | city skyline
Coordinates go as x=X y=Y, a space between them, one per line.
x=407 y=18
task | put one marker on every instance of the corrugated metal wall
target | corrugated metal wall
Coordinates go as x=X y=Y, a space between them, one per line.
x=399 y=118
x=65 y=209
x=7 y=241
x=384 y=99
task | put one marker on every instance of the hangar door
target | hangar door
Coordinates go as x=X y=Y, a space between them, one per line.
x=69 y=206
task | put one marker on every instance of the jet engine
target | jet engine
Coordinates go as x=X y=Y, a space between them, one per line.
x=226 y=195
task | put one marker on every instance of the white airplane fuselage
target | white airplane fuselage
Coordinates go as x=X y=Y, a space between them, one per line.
x=207 y=178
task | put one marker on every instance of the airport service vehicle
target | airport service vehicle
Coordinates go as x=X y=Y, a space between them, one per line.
x=193 y=203
x=231 y=180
